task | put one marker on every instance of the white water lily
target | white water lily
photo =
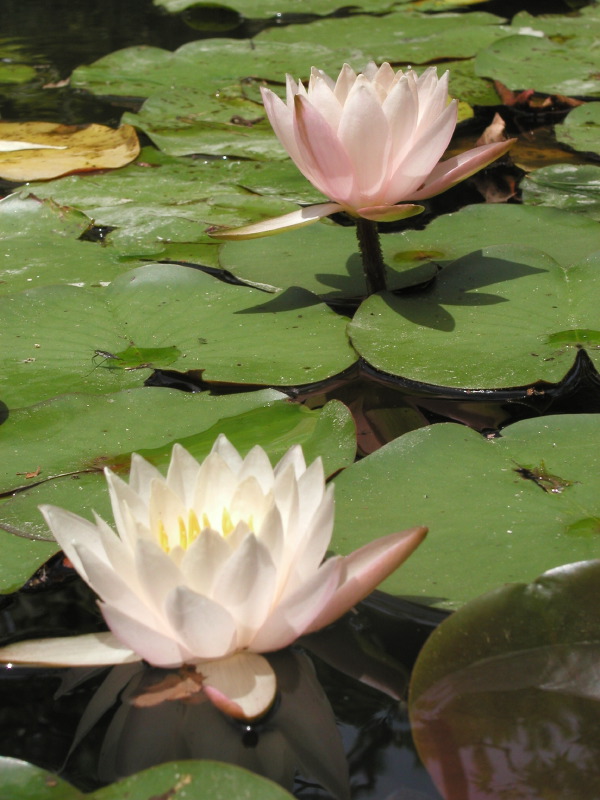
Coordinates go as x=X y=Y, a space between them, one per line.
x=219 y=562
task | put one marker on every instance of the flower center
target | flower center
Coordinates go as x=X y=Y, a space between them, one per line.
x=192 y=528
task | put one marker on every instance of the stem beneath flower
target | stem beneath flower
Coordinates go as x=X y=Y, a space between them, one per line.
x=372 y=257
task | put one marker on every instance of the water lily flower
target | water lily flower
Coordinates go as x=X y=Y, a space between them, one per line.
x=370 y=142
x=217 y=563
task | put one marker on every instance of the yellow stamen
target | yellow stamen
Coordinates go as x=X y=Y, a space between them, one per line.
x=205 y=521
x=183 y=534
x=163 y=539
x=226 y=523
x=193 y=526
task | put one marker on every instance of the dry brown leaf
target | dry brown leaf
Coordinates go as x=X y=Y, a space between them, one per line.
x=82 y=148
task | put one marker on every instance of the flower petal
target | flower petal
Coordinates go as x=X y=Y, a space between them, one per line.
x=295 y=614
x=453 y=170
x=390 y=213
x=363 y=120
x=287 y=222
x=90 y=649
x=154 y=647
x=331 y=168
x=243 y=685
x=70 y=529
x=365 y=569
x=205 y=628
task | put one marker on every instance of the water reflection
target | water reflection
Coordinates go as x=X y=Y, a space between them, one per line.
x=157 y=719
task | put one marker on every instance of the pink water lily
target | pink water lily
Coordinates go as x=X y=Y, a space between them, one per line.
x=371 y=143
x=214 y=564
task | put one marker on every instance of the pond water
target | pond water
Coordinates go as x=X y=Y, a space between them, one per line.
x=340 y=727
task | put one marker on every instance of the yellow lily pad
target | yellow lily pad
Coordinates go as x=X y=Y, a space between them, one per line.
x=46 y=149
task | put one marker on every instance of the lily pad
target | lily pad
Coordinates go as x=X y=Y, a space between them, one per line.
x=41 y=246
x=322 y=258
x=207 y=780
x=511 y=679
x=498 y=510
x=144 y=71
x=16 y=73
x=572 y=187
x=567 y=237
x=186 y=121
x=159 y=199
x=64 y=149
x=581 y=129
x=532 y=62
x=63 y=445
x=53 y=337
x=536 y=313
x=403 y=37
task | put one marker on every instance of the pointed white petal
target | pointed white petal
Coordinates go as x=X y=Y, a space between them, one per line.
x=203 y=560
x=322 y=97
x=295 y=613
x=365 y=569
x=287 y=222
x=344 y=83
x=182 y=474
x=156 y=573
x=246 y=586
x=68 y=530
x=90 y=649
x=228 y=453
x=155 y=647
x=258 y=465
x=243 y=685
x=205 y=628
x=141 y=475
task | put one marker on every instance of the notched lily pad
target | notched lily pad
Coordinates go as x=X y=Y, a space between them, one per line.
x=571 y=187
x=498 y=510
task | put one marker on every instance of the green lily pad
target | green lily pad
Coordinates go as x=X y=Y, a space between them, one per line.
x=65 y=443
x=144 y=71
x=158 y=199
x=41 y=246
x=572 y=187
x=532 y=309
x=322 y=258
x=54 y=337
x=532 y=62
x=182 y=122
x=16 y=73
x=568 y=238
x=511 y=681
x=581 y=129
x=403 y=37
x=206 y=780
x=498 y=510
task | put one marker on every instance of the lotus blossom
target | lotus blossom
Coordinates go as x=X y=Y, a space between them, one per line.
x=217 y=563
x=369 y=142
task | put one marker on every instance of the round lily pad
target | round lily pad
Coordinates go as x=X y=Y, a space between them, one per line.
x=503 y=316
x=573 y=187
x=498 y=510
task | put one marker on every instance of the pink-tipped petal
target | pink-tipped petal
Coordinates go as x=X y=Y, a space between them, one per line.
x=88 y=650
x=243 y=686
x=422 y=157
x=287 y=222
x=454 y=170
x=390 y=213
x=365 y=569
x=331 y=168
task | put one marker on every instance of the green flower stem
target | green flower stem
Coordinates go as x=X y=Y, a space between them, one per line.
x=372 y=257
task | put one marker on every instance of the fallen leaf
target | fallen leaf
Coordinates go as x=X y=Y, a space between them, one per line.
x=47 y=150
